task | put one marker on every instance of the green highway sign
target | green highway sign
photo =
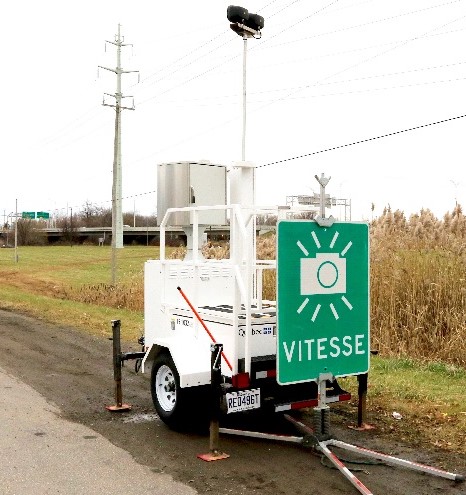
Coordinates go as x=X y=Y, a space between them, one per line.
x=43 y=214
x=28 y=214
x=322 y=300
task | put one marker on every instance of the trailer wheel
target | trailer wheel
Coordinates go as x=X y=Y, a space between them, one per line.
x=175 y=406
x=166 y=391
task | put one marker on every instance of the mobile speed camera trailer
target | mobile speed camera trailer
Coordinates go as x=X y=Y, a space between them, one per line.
x=260 y=360
x=190 y=303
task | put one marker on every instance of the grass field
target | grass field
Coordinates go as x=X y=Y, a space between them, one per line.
x=71 y=286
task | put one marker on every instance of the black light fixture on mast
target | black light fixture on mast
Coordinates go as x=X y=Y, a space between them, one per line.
x=247 y=26
x=243 y=23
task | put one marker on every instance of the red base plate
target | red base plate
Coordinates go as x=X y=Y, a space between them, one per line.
x=363 y=427
x=213 y=456
x=122 y=408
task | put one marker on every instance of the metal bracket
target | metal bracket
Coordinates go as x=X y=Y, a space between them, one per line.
x=218 y=348
x=325 y=222
x=320 y=219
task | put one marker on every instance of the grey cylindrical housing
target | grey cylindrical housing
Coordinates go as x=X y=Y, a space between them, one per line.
x=182 y=184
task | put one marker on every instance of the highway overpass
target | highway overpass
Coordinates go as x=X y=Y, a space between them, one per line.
x=138 y=235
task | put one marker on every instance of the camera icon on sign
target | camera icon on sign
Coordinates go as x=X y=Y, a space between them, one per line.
x=324 y=274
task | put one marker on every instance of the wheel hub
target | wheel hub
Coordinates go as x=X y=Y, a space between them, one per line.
x=165 y=388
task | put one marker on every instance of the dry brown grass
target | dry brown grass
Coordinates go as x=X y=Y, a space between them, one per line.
x=418 y=284
x=128 y=295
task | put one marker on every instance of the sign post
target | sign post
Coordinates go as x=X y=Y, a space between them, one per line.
x=322 y=300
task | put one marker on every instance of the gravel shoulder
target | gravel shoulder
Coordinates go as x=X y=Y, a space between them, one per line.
x=73 y=372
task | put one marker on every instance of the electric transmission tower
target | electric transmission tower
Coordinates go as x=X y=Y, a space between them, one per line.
x=117 y=213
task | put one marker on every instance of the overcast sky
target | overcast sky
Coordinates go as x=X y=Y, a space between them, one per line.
x=326 y=73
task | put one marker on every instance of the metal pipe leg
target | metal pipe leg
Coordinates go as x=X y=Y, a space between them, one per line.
x=119 y=406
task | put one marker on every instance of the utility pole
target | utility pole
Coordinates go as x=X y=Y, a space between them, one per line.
x=16 y=232
x=117 y=213
x=71 y=227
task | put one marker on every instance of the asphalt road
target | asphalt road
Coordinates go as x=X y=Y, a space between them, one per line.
x=43 y=453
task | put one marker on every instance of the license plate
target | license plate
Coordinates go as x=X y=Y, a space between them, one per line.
x=243 y=400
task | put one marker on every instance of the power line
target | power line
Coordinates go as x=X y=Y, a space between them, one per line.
x=292 y=26
x=49 y=140
x=229 y=59
x=353 y=50
x=65 y=131
x=292 y=93
x=191 y=62
x=333 y=148
x=357 y=64
x=356 y=26
x=284 y=8
x=265 y=6
x=142 y=102
x=371 y=90
x=341 y=81
x=220 y=35
x=361 y=141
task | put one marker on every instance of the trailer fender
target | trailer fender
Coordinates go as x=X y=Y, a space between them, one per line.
x=151 y=353
x=192 y=361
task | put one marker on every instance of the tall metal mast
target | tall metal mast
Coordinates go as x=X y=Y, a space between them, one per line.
x=117 y=213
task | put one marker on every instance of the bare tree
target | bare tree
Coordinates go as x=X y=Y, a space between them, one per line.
x=91 y=214
x=29 y=234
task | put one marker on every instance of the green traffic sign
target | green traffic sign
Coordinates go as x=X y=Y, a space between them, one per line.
x=43 y=214
x=28 y=214
x=322 y=300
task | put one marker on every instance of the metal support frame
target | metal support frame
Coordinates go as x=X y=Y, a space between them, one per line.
x=322 y=411
x=388 y=459
x=310 y=439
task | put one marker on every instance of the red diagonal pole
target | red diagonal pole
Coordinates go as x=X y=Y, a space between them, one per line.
x=193 y=309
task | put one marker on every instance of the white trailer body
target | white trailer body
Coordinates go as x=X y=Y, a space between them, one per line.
x=173 y=324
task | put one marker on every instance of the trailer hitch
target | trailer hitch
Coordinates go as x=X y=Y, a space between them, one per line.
x=125 y=356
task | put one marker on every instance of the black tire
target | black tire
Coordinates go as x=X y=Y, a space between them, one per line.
x=177 y=407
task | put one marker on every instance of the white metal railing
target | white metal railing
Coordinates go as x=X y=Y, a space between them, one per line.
x=246 y=268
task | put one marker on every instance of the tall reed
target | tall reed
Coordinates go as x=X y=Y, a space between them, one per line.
x=418 y=284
